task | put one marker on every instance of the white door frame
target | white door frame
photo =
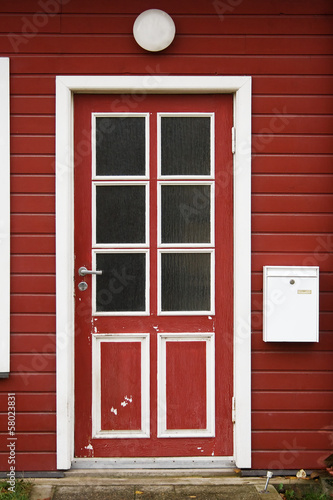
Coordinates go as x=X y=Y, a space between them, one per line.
x=130 y=90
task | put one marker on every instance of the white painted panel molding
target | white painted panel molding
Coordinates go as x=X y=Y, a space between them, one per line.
x=4 y=218
x=125 y=86
x=97 y=340
x=162 y=430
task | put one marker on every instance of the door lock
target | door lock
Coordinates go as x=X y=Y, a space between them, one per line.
x=82 y=286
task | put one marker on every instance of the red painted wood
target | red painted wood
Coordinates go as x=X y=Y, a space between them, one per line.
x=297 y=164
x=292 y=419
x=289 y=458
x=33 y=165
x=269 y=143
x=29 y=382
x=29 y=223
x=34 y=362
x=33 y=284
x=319 y=257
x=30 y=204
x=40 y=125
x=155 y=446
x=16 y=23
x=191 y=44
x=293 y=124
x=325 y=344
x=292 y=361
x=292 y=183
x=34 y=244
x=301 y=440
x=36 y=343
x=121 y=386
x=32 y=184
x=295 y=203
x=198 y=7
x=30 y=85
x=186 y=401
x=32 y=264
x=307 y=400
x=317 y=104
x=30 y=461
x=256 y=65
x=302 y=223
x=38 y=442
x=33 y=303
x=236 y=25
x=33 y=323
x=284 y=85
x=25 y=402
x=32 y=144
x=292 y=381
x=35 y=105
x=313 y=243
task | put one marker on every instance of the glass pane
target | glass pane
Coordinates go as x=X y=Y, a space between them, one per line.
x=120 y=146
x=122 y=286
x=185 y=146
x=186 y=213
x=121 y=214
x=186 y=281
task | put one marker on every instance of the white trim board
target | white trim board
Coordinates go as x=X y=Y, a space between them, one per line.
x=240 y=87
x=4 y=218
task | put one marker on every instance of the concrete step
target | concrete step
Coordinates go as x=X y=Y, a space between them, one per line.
x=152 y=485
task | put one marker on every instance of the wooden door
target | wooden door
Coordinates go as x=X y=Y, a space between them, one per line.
x=154 y=331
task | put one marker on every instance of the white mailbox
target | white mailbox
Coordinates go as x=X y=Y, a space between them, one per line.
x=291 y=304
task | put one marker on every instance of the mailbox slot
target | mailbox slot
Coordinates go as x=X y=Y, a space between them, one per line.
x=291 y=304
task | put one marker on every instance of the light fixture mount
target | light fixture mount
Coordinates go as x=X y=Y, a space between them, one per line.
x=154 y=30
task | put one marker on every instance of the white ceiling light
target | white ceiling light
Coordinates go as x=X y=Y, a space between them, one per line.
x=154 y=30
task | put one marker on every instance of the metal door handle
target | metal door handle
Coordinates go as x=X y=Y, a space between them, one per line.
x=83 y=271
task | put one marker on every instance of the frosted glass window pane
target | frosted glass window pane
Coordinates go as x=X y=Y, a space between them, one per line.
x=122 y=286
x=186 y=212
x=186 y=280
x=120 y=146
x=185 y=146
x=120 y=214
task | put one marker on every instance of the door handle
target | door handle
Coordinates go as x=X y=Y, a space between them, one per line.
x=83 y=271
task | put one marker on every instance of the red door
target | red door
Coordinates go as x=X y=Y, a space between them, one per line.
x=153 y=222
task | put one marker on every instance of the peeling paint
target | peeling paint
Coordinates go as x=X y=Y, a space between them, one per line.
x=209 y=317
x=114 y=410
x=89 y=447
x=126 y=401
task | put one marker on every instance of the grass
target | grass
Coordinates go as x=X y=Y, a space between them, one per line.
x=21 y=491
x=296 y=492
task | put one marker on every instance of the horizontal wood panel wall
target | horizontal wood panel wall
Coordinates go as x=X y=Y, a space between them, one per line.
x=286 y=46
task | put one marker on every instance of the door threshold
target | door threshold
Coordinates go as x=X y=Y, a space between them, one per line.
x=155 y=463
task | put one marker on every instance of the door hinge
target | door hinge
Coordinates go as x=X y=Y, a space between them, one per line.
x=233 y=139
x=233 y=410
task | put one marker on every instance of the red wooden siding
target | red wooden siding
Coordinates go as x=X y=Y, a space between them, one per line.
x=287 y=48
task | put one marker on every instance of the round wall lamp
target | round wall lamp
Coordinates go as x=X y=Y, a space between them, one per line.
x=154 y=30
